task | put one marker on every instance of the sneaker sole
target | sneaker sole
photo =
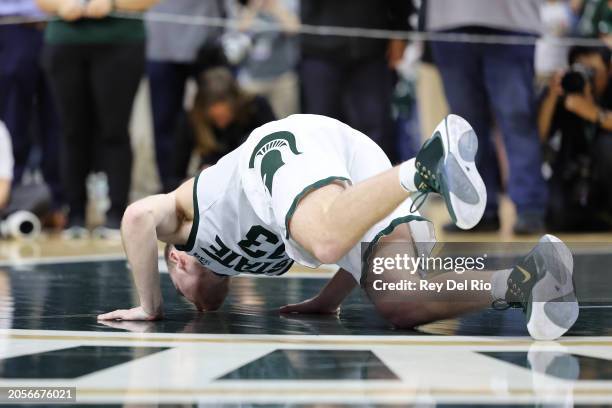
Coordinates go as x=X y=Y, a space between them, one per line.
x=552 y=319
x=464 y=190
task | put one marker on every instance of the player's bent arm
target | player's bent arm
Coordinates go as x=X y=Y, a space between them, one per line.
x=161 y=216
x=329 y=298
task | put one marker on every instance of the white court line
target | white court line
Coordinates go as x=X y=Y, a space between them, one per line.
x=299 y=340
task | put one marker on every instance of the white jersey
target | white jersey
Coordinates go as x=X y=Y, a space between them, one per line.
x=228 y=236
x=244 y=203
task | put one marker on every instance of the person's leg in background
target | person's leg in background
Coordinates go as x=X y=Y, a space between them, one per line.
x=431 y=101
x=33 y=197
x=182 y=150
x=19 y=53
x=167 y=88
x=368 y=94
x=116 y=71
x=66 y=68
x=462 y=74
x=49 y=141
x=322 y=85
x=284 y=95
x=509 y=77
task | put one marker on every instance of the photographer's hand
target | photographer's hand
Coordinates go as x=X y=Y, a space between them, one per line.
x=582 y=106
x=549 y=104
x=555 y=89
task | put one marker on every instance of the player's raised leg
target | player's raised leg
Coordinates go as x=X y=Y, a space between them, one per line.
x=445 y=165
x=330 y=221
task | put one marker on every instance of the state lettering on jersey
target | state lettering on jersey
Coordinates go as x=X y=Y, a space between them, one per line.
x=262 y=253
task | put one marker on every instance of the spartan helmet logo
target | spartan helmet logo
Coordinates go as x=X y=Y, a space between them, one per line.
x=272 y=149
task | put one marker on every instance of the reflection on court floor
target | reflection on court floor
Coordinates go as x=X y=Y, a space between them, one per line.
x=247 y=354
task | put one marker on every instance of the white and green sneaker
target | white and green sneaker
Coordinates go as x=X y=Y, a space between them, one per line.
x=542 y=284
x=445 y=165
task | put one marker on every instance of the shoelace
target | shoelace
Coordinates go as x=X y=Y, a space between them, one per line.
x=419 y=200
x=433 y=185
x=500 y=304
x=517 y=292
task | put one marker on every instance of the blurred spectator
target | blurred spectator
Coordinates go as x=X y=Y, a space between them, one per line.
x=175 y=53
x=404 y=106
x=557 y=20
x=484 y=82
x=575 y=116
x=351 y=78
x=431 y=101
x=6 y=167
x=596 y=20
x=95 y=63
x=32 y=197
x=26 y=104
x=269 y=66
x=222 y=117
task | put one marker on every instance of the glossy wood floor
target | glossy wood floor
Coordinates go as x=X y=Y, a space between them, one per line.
x=246 y=354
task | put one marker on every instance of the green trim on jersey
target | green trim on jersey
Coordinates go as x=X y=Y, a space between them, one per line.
x=386 y=231
x=196 y=220
x=308 y=189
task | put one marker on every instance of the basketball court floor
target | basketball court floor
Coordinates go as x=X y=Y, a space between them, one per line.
x=246 y=354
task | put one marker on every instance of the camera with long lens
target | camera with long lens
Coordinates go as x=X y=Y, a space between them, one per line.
x=20 y=225
x=576 y=78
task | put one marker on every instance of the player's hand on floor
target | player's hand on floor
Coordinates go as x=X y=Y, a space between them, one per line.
x=131 y=326
x=136 y=313
x=310 y=306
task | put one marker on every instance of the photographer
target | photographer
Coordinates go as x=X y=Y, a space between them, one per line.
x=575 y=116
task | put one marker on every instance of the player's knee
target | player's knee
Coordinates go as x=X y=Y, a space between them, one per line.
x=328 y=251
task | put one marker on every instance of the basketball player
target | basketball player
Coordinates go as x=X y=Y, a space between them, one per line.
x=310 y=189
